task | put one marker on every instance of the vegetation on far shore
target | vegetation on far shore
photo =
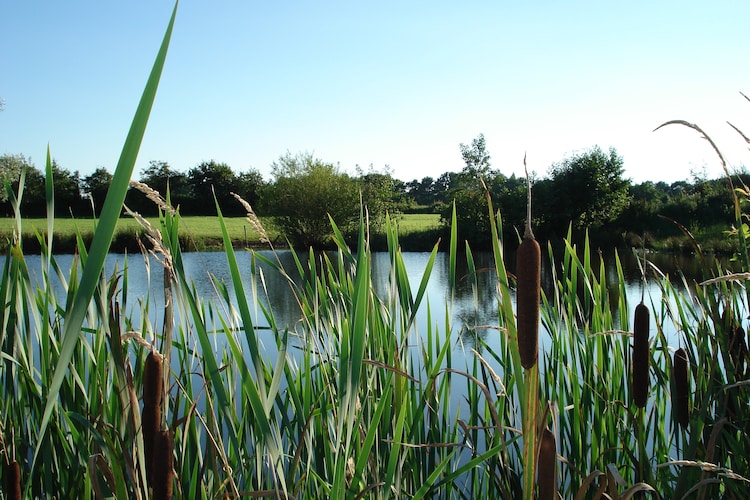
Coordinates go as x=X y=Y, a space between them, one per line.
x=588 y=191
x=418 y=232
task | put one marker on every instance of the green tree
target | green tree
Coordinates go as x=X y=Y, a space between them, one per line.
x=10 y=170
x=67 y=189
x=587 y=190
x=380 y=194
x=250 y=186
x=467 y=190
x=159 y=175
x=304 y=192
x=33 y=201
x=476 y=157
x=95 y=186
x=423 y=192
x=208 y=179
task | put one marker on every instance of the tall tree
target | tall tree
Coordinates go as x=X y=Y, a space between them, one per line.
x=379 y=194
x=476 y=157
x=159 y=175
x=210 y=179
x=67 y=188
x=95 y=187
x=10 y=170
x=250 y=186
x=304 y=192
x=467 y=190
x=587 y=190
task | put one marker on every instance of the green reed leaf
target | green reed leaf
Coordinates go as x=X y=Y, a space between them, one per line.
x=104 y=233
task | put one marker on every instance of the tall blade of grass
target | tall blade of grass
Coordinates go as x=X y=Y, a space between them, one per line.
x=50 y=194
x=242 y=303
x=104 y=233
x=255 y=389
x=453 y=250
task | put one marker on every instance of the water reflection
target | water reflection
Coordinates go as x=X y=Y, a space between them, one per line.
x=473 y=304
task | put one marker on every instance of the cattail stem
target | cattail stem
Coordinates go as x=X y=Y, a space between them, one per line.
x=680 y=398
x=528 y=270
x=641 y=361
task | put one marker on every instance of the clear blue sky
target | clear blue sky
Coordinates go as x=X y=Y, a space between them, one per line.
x=397 y=83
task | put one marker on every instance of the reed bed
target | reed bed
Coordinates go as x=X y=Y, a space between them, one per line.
x=355 y=400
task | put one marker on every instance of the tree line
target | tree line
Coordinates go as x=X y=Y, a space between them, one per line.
x=586 y=191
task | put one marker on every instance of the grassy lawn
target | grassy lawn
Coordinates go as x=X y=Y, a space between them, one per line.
x=197 y=233
x=410 y=223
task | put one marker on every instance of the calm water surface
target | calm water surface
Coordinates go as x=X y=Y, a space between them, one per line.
x=469 y=308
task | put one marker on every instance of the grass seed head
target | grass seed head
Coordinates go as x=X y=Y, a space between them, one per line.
x=640 y=375
x=681 y=398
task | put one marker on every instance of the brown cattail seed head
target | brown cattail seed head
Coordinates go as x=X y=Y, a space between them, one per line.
x=547 y=466
x=12 y=480
x=738 y=351
x=641 y=355
x=528 y=268
x=162 y=483
x=153 y=380
x=680 y=398
x=153 y=385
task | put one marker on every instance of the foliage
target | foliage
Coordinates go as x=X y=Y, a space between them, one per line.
x=476 y=157
x=95 y=186
x=159 y=175
x=380 y=194
x=587 y=190
x=467 y=191
x=211 y=179
x=306 y=195
x=10 y=170
x=366 y=406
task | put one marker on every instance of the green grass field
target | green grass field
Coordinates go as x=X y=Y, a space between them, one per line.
x=197 y=233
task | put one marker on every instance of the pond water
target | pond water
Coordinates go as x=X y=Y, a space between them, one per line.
x=468 y=309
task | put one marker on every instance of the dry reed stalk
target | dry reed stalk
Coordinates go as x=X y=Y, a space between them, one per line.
x=153 y=385
x=154 y=196
x=640 y=374
x=547 y=466
x=12 y=480
x=680 y=399
x=163 y=466
x=528 y=275
x=253 y=219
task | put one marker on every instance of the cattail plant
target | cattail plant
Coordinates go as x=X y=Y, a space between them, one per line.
x=547 y=466
x=153 y=385
x=640 y=375
x=163 y=465
x=738 y=351
x=528 y=269
x=12 y=480
x=680 y=398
